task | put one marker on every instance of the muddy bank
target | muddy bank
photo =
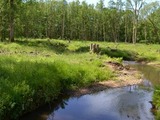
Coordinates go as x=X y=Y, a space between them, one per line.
x=124 y=76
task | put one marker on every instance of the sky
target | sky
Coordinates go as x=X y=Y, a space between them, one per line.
x=105 y=1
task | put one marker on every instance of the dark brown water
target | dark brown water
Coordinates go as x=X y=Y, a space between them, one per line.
x=127 y=103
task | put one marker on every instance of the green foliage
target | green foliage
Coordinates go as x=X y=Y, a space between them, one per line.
x=58 y=19
x=156 y=96
x=156 y=101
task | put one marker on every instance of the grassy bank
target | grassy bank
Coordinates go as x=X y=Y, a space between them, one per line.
x=156 y=101
x=33 y=72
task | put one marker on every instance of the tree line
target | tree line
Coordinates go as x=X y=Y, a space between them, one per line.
x=120 y=21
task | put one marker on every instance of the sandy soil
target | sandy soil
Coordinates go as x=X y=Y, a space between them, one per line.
x=155 y=64
x=125 y=76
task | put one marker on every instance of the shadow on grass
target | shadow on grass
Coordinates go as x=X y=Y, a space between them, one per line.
x=126 y=55
x=57 y=47
x=60 y=47
x=82 y=49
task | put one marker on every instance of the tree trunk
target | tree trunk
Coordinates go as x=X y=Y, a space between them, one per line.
x=134 y=35
x=126 y=37
x=135 y=22
x=63 y=25
x=11 y=34
x=104 y=33
x=145 y=33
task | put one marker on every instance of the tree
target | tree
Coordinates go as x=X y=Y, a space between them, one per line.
x=3 y=19
x=130 y=22
x=150 y=17
x=116 y=15
x=127 y=23
x=135 y=6
x=12 y=15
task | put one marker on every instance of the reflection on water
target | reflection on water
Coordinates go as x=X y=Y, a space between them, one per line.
x=150 y=73
x=43 y=112
x=127 y=103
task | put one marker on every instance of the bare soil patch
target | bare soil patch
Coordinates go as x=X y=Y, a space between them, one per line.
x=155 y=64
x=125 y=76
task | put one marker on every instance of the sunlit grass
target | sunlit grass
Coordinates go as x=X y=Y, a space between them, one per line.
x=31 y=75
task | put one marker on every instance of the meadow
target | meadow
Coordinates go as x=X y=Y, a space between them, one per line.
x=37 y=71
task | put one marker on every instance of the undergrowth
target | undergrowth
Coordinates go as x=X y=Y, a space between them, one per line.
x=156 y=101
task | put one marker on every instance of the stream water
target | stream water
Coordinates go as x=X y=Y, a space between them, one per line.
x=126 y=103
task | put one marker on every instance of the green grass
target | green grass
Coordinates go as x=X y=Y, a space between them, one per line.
x=31 y=75
x=37 y=71
x=27 y=83
x=135 y=51
x=156 y=101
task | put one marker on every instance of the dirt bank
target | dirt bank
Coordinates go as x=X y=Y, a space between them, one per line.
x=124 y=76
x=155 y=64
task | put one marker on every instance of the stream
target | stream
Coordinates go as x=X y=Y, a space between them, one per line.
x=126 y=103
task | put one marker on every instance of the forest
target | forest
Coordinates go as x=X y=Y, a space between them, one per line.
x=120 y=21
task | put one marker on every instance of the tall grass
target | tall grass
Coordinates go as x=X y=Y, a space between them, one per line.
x=27 y=83
x=156 y=101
